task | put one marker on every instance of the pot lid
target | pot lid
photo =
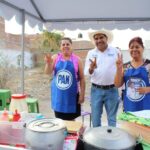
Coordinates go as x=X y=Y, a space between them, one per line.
x=46 y=125
x=109 y=137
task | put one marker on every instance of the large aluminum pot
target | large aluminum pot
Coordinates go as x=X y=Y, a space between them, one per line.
x=108 y=138
x=45 y=134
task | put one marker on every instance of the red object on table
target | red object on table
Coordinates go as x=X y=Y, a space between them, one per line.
x=20 y=145
x=4 y=116
x=16 y=116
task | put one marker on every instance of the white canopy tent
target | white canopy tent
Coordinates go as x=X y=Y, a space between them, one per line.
x=83 y=14
x=77 y=14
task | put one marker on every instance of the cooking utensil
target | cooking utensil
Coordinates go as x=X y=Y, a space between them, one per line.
x=45 y=134
x=108 y=138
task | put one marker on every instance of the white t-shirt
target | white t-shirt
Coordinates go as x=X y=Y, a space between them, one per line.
x=106 y=65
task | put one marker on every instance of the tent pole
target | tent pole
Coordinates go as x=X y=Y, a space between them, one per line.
x=22 y=52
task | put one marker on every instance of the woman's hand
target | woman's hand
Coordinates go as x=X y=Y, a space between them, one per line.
x=48 y=58
x=143 y=90
x=119 y=62
x=49 y=63
x=81 y=99
x=118 y=81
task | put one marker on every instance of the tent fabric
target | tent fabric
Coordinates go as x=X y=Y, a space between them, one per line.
x=82 y=14
x=84 y=9
x=96 y=25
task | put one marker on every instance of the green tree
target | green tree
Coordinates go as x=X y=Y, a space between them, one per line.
x=50 y=41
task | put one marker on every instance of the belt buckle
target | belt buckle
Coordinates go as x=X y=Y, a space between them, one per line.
x=109 y=86
x=105 y=87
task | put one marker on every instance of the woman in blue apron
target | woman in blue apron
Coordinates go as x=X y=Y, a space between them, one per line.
x=68 y=83
x=136 y=77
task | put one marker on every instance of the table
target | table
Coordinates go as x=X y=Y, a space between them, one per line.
x=137 y=130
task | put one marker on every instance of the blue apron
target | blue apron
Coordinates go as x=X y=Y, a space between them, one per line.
x=64 y=87
x=135 y=78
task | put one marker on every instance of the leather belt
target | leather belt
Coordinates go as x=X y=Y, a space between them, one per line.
x=104 y=87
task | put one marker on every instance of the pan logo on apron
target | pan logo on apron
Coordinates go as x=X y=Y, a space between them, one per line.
x=132 y=89
x=63 y=79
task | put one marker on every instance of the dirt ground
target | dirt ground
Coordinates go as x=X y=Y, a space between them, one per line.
x=37 y=85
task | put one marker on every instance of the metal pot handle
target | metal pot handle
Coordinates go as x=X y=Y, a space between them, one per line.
x=81 y=142
x=139 y=138
x=48 y=123
x=138 y=143
x=25 y=125
x=109 y=130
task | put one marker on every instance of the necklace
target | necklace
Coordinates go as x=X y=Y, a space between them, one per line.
x=137 y=64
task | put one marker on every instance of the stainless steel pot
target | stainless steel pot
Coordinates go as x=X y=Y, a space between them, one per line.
x=108 y=138
x=45 y=134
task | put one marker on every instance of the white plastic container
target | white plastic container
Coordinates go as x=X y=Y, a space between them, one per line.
x=18 y=101
x=12 y=133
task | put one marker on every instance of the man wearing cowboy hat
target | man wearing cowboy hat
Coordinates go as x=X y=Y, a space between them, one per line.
x=100 y=65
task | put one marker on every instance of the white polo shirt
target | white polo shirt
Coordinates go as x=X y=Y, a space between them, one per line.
x=106 y=65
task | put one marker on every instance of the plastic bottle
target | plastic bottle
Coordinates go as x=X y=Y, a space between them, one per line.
x=18 y=101
x=4 y=116
x=16 y=116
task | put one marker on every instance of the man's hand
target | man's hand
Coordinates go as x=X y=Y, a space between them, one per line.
x=93 y=65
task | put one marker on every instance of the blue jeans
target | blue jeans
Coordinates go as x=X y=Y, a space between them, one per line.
x=110 y=99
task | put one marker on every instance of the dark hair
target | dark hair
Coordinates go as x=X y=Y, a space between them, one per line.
x=136 y=39
x=66 y=38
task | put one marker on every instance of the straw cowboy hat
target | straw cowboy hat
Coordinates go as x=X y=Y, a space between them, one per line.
x=103 y=31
